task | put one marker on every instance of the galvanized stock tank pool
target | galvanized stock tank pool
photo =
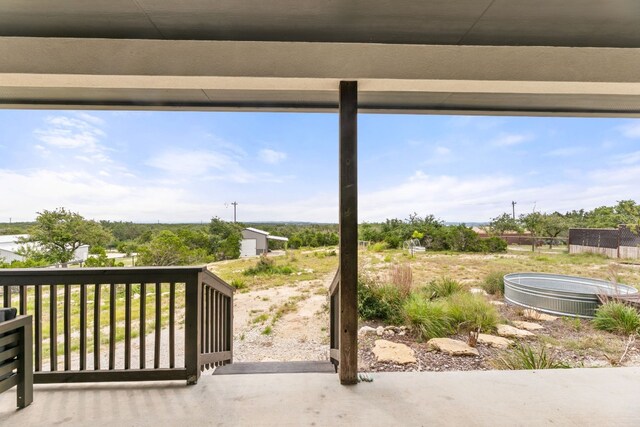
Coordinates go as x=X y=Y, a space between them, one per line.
x=558 y=294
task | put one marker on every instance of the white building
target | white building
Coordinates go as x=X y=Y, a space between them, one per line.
x=256 y=242
x=9 y=246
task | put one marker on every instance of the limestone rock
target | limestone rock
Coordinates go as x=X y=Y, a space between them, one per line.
x=494 y=341
x=513 y=332
x=366 y=330
x=452 y=347
x=496 y=302
x=380 y=330
x=536 y=315
x=478 y=291
x=529 y=326
x=387 y=351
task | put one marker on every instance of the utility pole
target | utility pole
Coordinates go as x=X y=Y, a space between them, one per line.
x=513 y=208
x=235 y=206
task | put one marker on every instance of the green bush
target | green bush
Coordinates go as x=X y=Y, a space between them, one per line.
x=494 y=283
x=618 y=318
x=470 y=312
x=428 y=318
x=266 y=265
x=493 y=244
x=238 y=284
x=379 y=247
x=442 y=287
x=379 y=301
x=526 y=357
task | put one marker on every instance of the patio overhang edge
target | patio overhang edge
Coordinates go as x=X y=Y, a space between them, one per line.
x=286 y=76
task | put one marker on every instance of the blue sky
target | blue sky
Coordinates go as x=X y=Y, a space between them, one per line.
x=188 y=166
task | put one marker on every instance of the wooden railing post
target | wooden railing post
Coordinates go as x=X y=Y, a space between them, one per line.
x=25 y=367
x=192 y=321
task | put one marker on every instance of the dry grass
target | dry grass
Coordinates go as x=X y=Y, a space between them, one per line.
x=401 y=275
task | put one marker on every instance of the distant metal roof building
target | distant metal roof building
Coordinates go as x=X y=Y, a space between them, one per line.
x=10 y=243
x=256 y=241
x=255 y=230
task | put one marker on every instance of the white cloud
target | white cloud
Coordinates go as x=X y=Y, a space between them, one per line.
x=565 y=152
x=627 y=158
x=481 y=197
x=442 y=151
x=79 y=131
x=191 y=163
x=446 y=196
x=632 y=130
x=272 y=156
x=509 y=139
x=113 y=195
x=209 y=165
x=97 y=121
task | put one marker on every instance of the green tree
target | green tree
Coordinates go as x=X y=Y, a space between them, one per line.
x=534 y=223
x=59 y=233
x=625 y=212
x=224 y=239
x=165 y=248
x=504 y=223
x=553 y=225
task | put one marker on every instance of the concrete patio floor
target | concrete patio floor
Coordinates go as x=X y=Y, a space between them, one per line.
x=576 y=397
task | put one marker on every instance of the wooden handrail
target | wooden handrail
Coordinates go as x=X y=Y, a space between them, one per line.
x=162 y=296
x=334 y=320
x=335 y=283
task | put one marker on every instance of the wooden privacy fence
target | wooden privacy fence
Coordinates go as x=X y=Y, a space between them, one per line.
x=120 y=324
x=621 y=242
x=334 y=340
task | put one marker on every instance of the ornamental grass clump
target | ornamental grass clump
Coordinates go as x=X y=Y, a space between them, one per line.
x=494 y=283
x=442 y=288
x=524 y=356
x=618 y=318
x=469 y=312
x=428 y=318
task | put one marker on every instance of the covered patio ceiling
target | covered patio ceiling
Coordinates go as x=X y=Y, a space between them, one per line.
x=575 y=57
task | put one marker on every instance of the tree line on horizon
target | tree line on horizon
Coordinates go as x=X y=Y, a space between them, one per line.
x=55 y=235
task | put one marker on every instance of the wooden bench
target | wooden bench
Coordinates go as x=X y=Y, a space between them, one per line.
x=16 y=358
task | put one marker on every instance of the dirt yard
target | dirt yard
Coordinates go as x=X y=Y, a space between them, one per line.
x=285 y=317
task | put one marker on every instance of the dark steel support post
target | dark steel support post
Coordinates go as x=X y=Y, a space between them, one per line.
x=348 y=368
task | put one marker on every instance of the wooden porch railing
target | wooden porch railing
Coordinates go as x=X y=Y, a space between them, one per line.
x=334 y=296
x=119 y=324
x=16 y=367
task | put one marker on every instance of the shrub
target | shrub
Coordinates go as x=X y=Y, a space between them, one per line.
x=527 y=357
x=493 y=244
x=494 y=283
x=378 y=247
x=266 y=265
x=238 y=284
x=442 y=287
x=471 y=312
x=379 y=301
x=618 y=318
x=428 y=318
